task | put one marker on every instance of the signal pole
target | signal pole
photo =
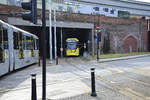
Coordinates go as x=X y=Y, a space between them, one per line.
x=61 y=49
x=55 y=35
x=44 y=51
x=50 y=32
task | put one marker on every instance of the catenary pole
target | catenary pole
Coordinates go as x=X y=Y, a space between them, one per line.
x=61 y=49
x=50 y=31
x=44 y=51
x=55 y=33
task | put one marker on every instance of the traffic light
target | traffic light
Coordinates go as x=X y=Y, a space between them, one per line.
x=32 y=6
x=99 y=36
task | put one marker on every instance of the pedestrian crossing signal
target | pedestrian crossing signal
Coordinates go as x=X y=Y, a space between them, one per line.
x=99 y=36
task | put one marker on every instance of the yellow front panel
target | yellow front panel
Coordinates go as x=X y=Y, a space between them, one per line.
x=74 y=52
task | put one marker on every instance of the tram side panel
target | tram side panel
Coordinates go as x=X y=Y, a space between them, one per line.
x=25 y=53
x=16 y=51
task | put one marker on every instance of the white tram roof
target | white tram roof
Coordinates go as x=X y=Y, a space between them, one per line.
x=18 y=29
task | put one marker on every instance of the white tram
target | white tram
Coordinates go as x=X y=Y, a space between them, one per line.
x=18 y=48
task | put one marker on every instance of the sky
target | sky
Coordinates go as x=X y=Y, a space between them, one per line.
x=144 y=0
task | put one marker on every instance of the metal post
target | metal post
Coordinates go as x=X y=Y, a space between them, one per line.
x=33 y=85
x=44 y=51
x=93 y=82
x=98 y=50
x=140 y=36
x=88 y=47
x=61 y=49
x=39 y=61
x=39 y=45
x=93 y=37
x=84 y=47
x=56 y=60
x=55 y=34
x=50 y=31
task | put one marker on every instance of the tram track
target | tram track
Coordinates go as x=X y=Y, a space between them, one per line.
x=125 y=91
x=124 y=71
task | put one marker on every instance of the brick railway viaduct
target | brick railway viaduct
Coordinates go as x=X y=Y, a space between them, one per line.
x=125 y=35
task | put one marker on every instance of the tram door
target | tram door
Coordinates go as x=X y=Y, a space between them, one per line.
x=4 y=52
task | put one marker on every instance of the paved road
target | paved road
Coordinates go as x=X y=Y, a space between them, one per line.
x=117 y=80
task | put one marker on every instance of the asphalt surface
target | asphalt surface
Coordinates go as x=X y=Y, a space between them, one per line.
x=70 y=80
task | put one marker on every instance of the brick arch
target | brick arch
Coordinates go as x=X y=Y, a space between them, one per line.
x=130 y=42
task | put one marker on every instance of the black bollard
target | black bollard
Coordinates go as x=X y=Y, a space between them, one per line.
x=39 y=62
x=33 y=91
x=56 y=60
x=93 y=82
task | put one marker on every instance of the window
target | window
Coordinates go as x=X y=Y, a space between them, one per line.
x=36 y=44
x=60 y=8
x=24 y=42
x=15 y=37
x=71 y=45
x=96 y=8
x=5 y=36
x=21 y=48
x=33 y=46
x=1 y=37
x=112 y=11
x=106 y=9
x=69 y=9
x=28 y=43
x=123 y=14
x=2 y=54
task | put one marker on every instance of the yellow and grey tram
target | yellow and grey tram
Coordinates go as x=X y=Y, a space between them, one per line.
x=18 y=48
x=72 y=47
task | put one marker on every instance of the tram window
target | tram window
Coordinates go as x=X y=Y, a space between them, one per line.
x=71 y=45
x=28 y=43
x=16 y=44
x=1 y=50
x=32 y=47
x=0 y=38
x=1 y=45
x=33 y=43
x=21 y=51
x=37 y=44
x=20 y=40
x=5 y=36
x=24 y=42
x=1 y=55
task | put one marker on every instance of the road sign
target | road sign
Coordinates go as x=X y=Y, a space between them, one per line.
x=98 y=29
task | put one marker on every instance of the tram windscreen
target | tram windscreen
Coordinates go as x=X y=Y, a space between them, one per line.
x=71 y=45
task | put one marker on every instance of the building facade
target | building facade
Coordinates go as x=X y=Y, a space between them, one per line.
x=112 y=8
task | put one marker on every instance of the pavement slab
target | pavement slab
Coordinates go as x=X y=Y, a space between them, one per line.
x=70 y=80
